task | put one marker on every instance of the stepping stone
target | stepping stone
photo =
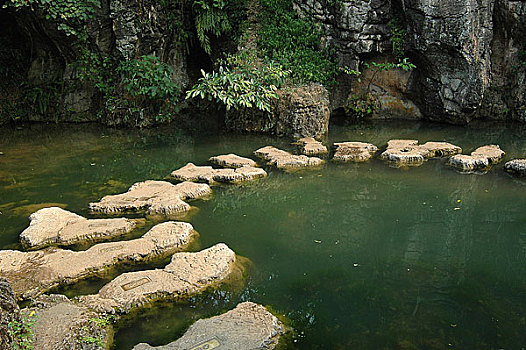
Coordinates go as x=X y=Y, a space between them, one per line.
x=33 y=273
x=248 y=326
x=479 y=160
x=153 y=197
x=58 y=226
x=516 y=167
x=232 y=161
x=409 y=152
x=64 y=325
x=311 y=147
x=191 y=172
x=186 y=275
x=285 y=160
x=353 y=151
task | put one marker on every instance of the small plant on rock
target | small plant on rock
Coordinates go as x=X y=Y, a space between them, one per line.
x=21 y=332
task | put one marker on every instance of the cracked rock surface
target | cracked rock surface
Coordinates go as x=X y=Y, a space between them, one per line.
x=232 y=161
x=33 y=273
x=153 y=197
x=55 y=225
x=285 y=160
x=191 y=172
x=353 y=151
x=247 y=326
x=186 y=275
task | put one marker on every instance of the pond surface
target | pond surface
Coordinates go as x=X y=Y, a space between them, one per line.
x=354 y=256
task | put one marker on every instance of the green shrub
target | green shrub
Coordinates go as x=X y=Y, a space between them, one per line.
x=294 y=42
x=241 y=81
x=21 y=332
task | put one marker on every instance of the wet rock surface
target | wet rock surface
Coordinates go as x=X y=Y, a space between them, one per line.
x=153 y=197
x=516 y=167
x=64 y=325
x=479 y=160
x=191 y=172
x=33 y=273
x=311 y=147
x=186 y=275
x=248 y=326
x=409 y=152
x=58 y=226
x=285 y=160
x=232 y=161
x=353 y=151
x=9 y=312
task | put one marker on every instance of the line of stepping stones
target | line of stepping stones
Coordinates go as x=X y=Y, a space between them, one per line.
x=35 y=272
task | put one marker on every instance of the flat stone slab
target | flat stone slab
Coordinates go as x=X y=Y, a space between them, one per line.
x=191 y=172
x=232 y=161
x=153 y=197
x=285 y=160
x=33 y=273
x=516 y=167
x=248 y=326
x=480 y=159
x=64 y=325
x=311 y=147
x=58 y=226
x=186 y=275
x=353 y=151
x=409 y=152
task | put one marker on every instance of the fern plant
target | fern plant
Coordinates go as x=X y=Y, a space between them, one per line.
x=210 y=18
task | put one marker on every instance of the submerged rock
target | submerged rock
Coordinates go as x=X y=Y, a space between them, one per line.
x=9 y=312
x=409 y=152
x=354 y=151
x=185 y=276
x=64 y=325
x=58 y=226
x=311 y=147
x=232 y=161
x=191 y=172
x=248 y=326
x=285 y=160
x=33 y=273
x=516 y=167
x=479 y=160
x=154 y=197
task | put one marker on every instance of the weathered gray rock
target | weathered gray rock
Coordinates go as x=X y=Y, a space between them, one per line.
x=64 y=325
x=248 y=326
x=58 y=226
x=186 y=275
x=298 y=112
x=9 y=312
x=479 y=160
x=191 y=172
x=33 y=273
x=516 y=167
x=354 y=151
x=285 y=160
x=153 y=197
x=232 y=161
x=311 y=147
x=409 y=152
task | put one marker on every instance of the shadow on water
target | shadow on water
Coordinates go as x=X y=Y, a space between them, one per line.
x=359 y=256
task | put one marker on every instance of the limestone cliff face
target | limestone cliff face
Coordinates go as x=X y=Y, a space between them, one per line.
x=469 y=53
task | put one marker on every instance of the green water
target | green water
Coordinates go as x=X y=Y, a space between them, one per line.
x=355 y=256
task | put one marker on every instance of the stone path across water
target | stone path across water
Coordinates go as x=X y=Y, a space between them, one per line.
x=516 y=167
x=247 y=327
x=191 y=172
x=409 y=152
x=58 y=226
x=285 y=160
x=311 y=147
x=479 y=160
x=353 y=151
x=33 y=273
x=232 y=161
x=153 y=197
